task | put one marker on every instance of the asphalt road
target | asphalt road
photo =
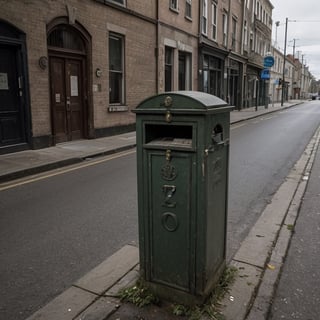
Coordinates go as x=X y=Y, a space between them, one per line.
x=263 y=150
x=55 y=230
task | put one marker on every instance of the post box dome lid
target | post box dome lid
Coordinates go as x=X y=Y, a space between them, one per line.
x=182 y=100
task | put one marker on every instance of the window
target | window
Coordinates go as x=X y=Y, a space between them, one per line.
x=212 y=75
x=184 y=71
x=214 y=20
x=245 y=35
x=168 y=69
x=67 y=38
x=234 y=33
x=189 y=9
x=174 y=5
x=204 y=17
x=225 y=29
x=116 y=79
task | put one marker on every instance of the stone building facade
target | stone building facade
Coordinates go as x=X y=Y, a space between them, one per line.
x=257 y=30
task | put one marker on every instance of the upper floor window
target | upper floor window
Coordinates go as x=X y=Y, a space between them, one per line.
x=214 y=20
x=245 y=35
x=225 y=29
x=189 y=9
x=204 y=17
x=234 y=34
x=116 y=68
x=174 y=5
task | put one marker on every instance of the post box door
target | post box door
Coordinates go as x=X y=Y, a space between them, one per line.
x=171 y=218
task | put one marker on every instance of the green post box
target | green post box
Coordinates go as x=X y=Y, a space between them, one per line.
x=182 y=160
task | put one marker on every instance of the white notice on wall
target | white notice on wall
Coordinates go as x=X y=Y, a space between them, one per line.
x=58 y=98
x=4 y=81
x=74 y=86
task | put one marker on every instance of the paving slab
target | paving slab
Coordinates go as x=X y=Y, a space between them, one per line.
x=237 y=302
x=66 y=306
x=106 y=274
x=99 y=310
x=255 y=249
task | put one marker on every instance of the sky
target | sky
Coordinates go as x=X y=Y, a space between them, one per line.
x=303 y=30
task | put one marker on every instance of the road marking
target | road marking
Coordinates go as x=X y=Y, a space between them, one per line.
x=268 y=118
x=56 y=172
x=237 y=126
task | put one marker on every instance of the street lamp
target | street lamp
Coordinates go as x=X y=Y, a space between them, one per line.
x=284 y=62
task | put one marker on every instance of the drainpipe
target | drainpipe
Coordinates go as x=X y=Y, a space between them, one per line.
x=227 y=62
x=157 y=53
x=200 y=64
x=284 y=64
x=229 y=21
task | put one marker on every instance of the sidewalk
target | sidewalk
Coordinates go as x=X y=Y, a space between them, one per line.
x=298 y=292
x=93 y=297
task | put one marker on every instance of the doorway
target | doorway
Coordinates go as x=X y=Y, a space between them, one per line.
x=12 y=119
x=14 y=94
x=66 y=98
x=68 y=84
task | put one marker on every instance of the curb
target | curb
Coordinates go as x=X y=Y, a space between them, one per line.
x=93 y=297
x=261 y=255
x=268 y=112
x=60 y=163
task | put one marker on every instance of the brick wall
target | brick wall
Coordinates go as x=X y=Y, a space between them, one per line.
x=33 y=16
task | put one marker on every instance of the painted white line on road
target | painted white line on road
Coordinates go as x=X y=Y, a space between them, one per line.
x=237 y=126
x=56 y=172
x=268 y=118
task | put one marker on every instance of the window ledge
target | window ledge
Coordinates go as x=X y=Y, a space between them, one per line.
x=174 y=10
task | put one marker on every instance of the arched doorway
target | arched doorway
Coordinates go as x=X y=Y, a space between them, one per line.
x=67 y=50
x=14 y=93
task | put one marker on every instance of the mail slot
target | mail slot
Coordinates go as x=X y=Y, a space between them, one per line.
x=182 y=164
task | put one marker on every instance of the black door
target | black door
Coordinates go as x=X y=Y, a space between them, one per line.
x=12 y=117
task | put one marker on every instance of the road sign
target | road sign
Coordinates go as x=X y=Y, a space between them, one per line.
x=265 y=74
x=268 y=61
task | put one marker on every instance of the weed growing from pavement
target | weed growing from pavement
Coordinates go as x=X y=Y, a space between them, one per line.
x=290 y=227
x=211 y=308
x=140 y=296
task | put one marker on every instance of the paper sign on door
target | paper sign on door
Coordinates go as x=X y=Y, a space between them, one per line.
x=74 y=86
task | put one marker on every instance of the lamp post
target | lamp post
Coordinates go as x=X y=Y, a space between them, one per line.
x=284 y=63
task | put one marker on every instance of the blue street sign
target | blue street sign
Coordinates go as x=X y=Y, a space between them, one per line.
x=265 y=74
x=268 y=61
